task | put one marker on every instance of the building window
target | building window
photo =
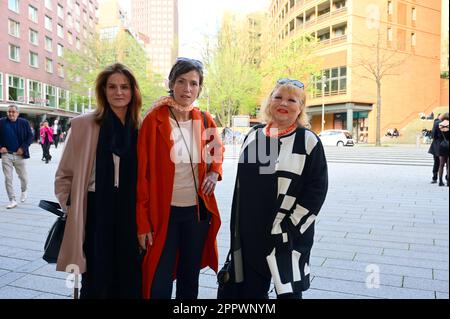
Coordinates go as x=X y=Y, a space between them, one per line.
x=78 y=44
x=413 y=14
x=14 y=52
x=69 y=20
x=33 y=37
x=389 y=34
x=390 y=8
x=77 y=9
x=48 y=44
x=1 y=86
x=13 y=5
x=70 y=3
x=48 y=23
x=34 y=92
x=60 y=11
x=16 y=88
x=50 y=96
x=14 y=28
x=60 y=50
x=77 y=25
x=60 y=31
x=60 y=70
x=413 y=39
x=335 y=82
x=62 y=98
x=70 y=37
x=33 y=14
x=48 y=65
x=33 y=59
x=48 y=4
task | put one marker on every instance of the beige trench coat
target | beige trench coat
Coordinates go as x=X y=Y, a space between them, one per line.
x=72 y=177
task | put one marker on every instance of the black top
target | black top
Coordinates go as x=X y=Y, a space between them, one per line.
x=280 y=187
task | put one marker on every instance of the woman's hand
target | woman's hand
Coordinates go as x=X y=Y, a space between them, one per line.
x=145 y=239
x=209 y=183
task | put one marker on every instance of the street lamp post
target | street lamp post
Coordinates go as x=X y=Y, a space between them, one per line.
x=324 y=79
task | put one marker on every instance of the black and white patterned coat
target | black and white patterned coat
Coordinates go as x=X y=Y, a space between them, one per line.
x=281 y=185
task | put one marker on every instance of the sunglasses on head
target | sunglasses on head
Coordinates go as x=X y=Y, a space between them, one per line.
x=198 y=64
x=296 y=83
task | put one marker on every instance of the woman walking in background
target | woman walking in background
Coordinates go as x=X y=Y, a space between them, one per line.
x=46 y=135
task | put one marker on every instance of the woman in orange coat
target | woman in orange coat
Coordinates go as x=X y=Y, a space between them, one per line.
x=177 y=213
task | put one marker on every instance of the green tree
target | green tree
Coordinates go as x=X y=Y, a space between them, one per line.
x=83 y=66
x=294 y=59
x=232 y=79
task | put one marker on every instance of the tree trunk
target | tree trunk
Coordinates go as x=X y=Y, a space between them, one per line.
x=378 y=132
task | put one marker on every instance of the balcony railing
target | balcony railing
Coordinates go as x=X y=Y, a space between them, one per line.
x=318 y=94
x=339 y=39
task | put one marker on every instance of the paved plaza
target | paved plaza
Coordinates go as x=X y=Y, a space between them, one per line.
x=383 y=231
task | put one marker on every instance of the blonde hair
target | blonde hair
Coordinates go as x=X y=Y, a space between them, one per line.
x=302 y=120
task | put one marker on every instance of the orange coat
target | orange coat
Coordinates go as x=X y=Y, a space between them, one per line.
x=155 y=185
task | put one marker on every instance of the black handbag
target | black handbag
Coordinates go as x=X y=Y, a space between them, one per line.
x=228 y=288
x=56 y=232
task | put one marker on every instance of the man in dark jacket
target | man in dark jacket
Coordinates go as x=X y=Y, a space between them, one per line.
x=434 y=147
x=15 y=139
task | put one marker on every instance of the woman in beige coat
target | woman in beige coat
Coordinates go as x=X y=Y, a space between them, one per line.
x=96 y=184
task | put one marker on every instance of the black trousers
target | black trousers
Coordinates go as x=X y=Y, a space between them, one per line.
x=185 y=235
x=435 y=167
x=56 y=140
x=46 y=150
x=256 y=285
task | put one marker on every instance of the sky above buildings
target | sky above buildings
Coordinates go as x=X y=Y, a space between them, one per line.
x=201 y=18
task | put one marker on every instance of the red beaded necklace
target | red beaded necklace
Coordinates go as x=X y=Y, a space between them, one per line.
x=286 y=131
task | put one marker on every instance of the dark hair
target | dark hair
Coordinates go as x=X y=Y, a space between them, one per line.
x=100 y=94
x=182 y=67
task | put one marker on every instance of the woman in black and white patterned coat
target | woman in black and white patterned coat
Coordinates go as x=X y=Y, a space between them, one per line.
x=280 y=187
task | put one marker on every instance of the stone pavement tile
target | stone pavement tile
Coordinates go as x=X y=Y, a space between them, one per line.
x=358 y=226
x=426 y=284
x=49 y=270
x=350 y=248
x=7 y=251
x=331 y=233
x=10 y=277
x=412 y=233
x=43 y=284
x=441 y=242
x=413 y=262
x=361 y=289
x=3 y=272
x=324 y=294
x=51 y=296
x=428 y=232
x=440 y=274
x=342 y=228
x=7 y=263
x=9 y=292
x=27 y=254
x=429 y=248
x=440 y=295
x=364 y=242
x=354 y=275
x=32 y=266
x=207 y=293
x=317 y=252
x=384 y=268
x=209 y=281
x=23 y=235
x=415 y=254
x=392 y=238
x=20 y=243
x=431 y=225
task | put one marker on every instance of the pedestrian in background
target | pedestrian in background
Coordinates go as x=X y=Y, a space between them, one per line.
x=56 y=130
x=177 y=214
x=443 y=148
x=96 y=185
x=46 y=134
x=434 y=147
x=15 y=139
x=280 y=187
